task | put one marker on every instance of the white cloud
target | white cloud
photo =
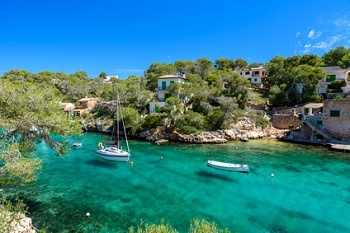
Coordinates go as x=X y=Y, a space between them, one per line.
x=307 y=48
x=326 y=36
x=313 y=35
x=321 y=45
x=328 y=44
x=342 y=22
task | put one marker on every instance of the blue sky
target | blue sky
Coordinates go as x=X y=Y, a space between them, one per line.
x=125 y=37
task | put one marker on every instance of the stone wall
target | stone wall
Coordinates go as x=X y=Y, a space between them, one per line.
x=337 y=127
x=283 y=121
x=287 y=110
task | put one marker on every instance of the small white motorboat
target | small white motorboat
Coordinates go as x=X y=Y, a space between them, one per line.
x=161 y=141
x=77 y=144
x=229 y=166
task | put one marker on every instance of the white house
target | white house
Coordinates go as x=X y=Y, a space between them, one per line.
x=334 y=73
x=107 y=79
x=256 y=76
x=163 y=90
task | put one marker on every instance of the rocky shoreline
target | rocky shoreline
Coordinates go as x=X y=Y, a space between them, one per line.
x=19 y=224
x=243 y=130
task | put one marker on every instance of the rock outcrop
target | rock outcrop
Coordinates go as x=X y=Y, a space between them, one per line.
x=243 y=130
x=20 y=224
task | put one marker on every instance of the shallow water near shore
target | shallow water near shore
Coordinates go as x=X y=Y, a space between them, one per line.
x=310 y=190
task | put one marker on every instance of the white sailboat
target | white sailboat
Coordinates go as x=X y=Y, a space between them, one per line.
x=115 y=152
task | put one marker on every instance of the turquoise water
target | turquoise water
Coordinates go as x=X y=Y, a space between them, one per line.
x=310 y=191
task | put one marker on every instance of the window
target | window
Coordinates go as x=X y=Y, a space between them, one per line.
x=256 y=72
x=330 y=78
x=334 y=113
x=255 y=80
x=247 y=73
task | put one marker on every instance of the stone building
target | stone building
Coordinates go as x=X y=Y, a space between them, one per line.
x=336 y=118
x=85 y=105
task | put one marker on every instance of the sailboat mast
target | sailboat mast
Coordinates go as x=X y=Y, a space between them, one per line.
x=120 y=117
x=117 y=117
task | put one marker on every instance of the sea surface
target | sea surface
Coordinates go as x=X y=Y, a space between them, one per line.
x=309 y=192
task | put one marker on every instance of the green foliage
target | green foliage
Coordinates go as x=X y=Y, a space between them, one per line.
x=132 y=120
x=212 y=79
x=187 y=129
x=184 y=67
x=100 y=110
x=277 y=95
x=257 y=96
x=33 y=113
x=240 y=64
x=191 y=122
x=237 y=87
x=334 y=56
x=163 y=227
x=334 y=90
x=196 y=226
x=173 y=101
x=30 y=114
x=201 y=104
x=18 y=167
x=202 y=67
x=337 y=84
x=225 y=64
x=255 y=65
x=151 y=122
x=286 y=74
x=345 y=61
x=311 y=60
x=338 y=97
x=203 y=226
x=258 y=118
x=215 y=119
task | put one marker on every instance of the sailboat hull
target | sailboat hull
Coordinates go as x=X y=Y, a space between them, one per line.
x=113 y=154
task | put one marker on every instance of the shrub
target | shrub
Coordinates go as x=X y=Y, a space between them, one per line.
x=163 y=227
x=338 y=97
x=186 y=129
x=191 y=122
x=262 y=122
x=203 y=226
x=196 y=226
x=337 y=84
x=151 y=122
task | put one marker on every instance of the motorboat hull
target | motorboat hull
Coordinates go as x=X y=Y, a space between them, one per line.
x=228 y=166
x=77 y=144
